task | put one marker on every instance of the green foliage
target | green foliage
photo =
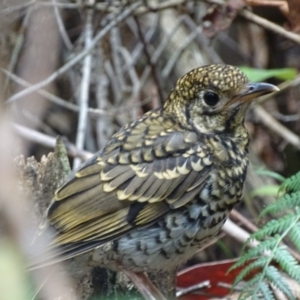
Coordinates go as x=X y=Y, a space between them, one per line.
x=262 y=74
x=266 y=190
x=292 y=184
x=265 y=172
x=271 y=249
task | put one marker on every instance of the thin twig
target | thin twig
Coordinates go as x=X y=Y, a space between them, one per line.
x=282 y=5
x=113 y=83
x=85 y=87
x=11 y=9
x=192 y=56
x=93 y=112
x=270 y=26
x=143 y=9
x=61 y=27
x=276 y=127
x=17 y=47
x=62 y=5
x=160 y=49
x=202 y=40
x=103 y=7
x=238 y=216
x=176 y=54
x=166 y=40
x=242 y=236
x=196 y=287
x=150 y=62
x=137 y=51
x=155 y=57
x=286 y=118
x=49 y=141
x=115 y=43
x=102 y=85
x=115 y=20
x=47 y=95
x=135 y=81
x=144 y=285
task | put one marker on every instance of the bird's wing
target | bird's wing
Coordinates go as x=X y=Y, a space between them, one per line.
x=142 y=174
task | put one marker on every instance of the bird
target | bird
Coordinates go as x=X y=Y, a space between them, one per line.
x=165 y=183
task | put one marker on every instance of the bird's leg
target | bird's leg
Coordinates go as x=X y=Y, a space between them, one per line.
x=165 y=281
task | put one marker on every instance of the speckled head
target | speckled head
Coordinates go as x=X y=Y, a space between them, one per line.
x=219 y=78
x=214 y=97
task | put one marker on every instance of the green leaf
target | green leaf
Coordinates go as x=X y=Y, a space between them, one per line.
x=287 y=262
x=275 y=278
x=295 y=235
x=257 y=75
x=275 y=226
x=265 y=290
x=288 y=201
x=265 y=172
x=259 y=263
x=270 y=248
x=291 y=184
x=266 y=190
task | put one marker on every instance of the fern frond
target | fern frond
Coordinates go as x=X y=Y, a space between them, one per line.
x=253 y=253
x=266 y=291
x=252 y=284
x=288 y=201
x=270 y=249
x=294 y=235
x=245 y=295
x=275 y=226
x=274 y=277
x=261 y=248
x=287 y=262
x=259 y=263
x=257 y=289
x=292 y=184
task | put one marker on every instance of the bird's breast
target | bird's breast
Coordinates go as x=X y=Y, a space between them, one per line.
x=177 y=235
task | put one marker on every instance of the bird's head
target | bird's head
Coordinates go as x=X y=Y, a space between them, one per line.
x=214 y=98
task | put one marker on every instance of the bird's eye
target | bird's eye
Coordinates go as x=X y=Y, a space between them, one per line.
x=211 y=98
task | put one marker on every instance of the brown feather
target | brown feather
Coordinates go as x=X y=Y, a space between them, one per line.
x=88 y=207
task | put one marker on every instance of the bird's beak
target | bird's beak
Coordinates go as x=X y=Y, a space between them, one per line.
x=253 y=90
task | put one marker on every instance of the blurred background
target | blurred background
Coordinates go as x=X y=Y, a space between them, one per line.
x=82 y=69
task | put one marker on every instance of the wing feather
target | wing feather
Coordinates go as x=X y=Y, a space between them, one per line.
x=126 y=186
x=75 y=186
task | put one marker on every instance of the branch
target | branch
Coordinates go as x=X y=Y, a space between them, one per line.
x=48 y=141
x=93 y=112
x=270 y=26
x=276 y=127
x=84 y=90
x=152 y=65
x=121 y=17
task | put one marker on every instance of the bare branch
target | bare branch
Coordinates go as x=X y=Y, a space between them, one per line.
x=270 y=26
x=115 y=20
x=153 y=67
x=48 y=141
x=85 y=87
x=276 y=127
x=61 y=27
